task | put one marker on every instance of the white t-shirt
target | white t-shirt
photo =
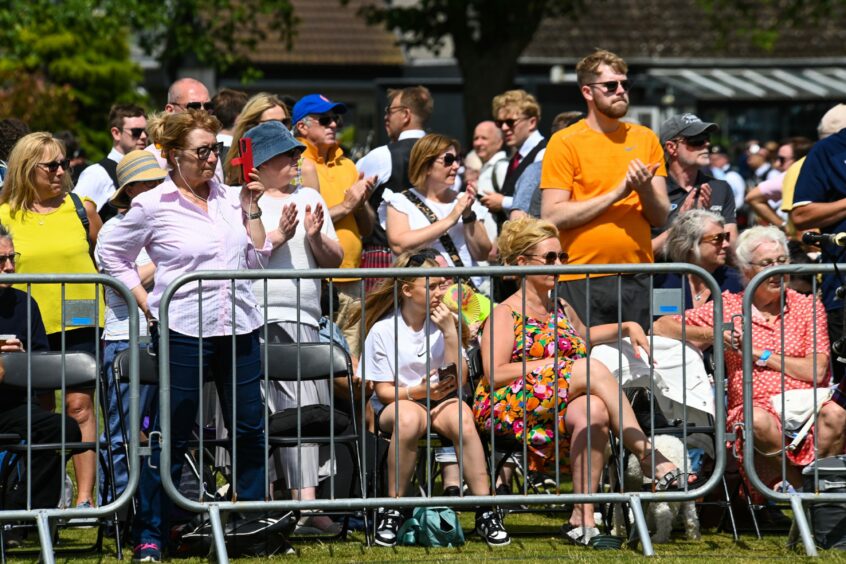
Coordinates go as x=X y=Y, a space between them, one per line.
x=117 y=314
x=381 y=350
x=417 y=220
x=294 y=253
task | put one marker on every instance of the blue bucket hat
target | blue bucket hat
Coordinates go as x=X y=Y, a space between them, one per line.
x=270 y=139
x=316 y=104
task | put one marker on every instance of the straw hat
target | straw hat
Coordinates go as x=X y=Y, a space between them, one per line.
x=136 y=166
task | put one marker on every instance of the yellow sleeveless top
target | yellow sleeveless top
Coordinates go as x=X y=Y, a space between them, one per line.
x=53 y=243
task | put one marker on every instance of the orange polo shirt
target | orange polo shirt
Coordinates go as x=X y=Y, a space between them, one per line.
x=589 y=163
x=336 y=174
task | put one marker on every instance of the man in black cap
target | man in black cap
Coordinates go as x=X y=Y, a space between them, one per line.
x=686 y=140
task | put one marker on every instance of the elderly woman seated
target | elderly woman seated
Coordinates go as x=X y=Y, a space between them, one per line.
x=700 y=237
x=803 y=355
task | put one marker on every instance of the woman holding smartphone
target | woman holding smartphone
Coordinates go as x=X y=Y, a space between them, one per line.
x=428 y=337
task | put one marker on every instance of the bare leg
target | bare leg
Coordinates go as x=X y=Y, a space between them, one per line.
x=831 y=429
x=80 y=406
x=319 y=521
x=445 y=422
x=450 y=475
x=768 y=448
x=577 y=426
x=412 y=426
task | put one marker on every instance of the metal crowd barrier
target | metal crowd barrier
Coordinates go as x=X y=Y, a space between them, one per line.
x=795 y=498
x=75 y=313
x=367 y=501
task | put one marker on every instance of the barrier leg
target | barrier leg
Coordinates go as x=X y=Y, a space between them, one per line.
x=640 y=523
x=46 y=539
x=221 y=556
x=802 y=523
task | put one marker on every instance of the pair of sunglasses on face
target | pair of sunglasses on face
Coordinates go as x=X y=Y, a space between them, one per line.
x=53 y=166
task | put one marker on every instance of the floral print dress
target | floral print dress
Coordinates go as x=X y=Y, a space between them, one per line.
x=535 y=392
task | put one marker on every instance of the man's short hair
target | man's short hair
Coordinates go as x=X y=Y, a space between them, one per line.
x=517 y=99
x=228 y=104
x=121 y=111
x=565 y=119
x=417 y=99
x=588 y=68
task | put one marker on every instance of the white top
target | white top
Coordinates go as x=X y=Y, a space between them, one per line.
x=497 y=164
x=117 y=314
x=417 y=220
x=293 y=254
x=737 y=183
x=95 y=182
x=382 y=360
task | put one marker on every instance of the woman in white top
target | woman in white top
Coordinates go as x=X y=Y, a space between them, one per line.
x=432 y=168
x=405 y=347
x=303 y=238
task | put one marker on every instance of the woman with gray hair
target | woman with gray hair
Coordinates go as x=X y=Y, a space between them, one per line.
x=802 y=354
x=699 y=237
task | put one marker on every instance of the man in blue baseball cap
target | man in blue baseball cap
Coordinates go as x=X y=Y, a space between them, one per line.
x=346 y=191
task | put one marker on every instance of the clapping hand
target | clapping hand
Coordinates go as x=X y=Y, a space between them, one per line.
x=288 y=222
x=639 y=176
x=313 y=221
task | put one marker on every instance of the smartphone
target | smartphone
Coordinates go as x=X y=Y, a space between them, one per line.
x=5 y=338
x=447 y=372
x=245 y=145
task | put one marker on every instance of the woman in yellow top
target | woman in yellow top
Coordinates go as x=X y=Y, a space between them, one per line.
x=49 y=235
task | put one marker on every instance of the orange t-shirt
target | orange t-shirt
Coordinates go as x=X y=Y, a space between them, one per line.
x=588 y=163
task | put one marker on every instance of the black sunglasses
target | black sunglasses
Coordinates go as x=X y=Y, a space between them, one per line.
x=549 y=258
x=53 y=166
x=611 y=86
x=135 y=132
x=326 y=120
x=450 y=159
x=510 y=122
x=13 y=258
x=697 y=141
x=208 y=106
x=203 y=153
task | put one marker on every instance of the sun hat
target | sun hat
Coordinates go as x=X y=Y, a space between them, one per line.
x=135 y=166
x=269 y=139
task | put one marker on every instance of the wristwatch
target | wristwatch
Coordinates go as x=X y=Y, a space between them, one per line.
x=255 y=215
x=469 y=218
x=765 y=356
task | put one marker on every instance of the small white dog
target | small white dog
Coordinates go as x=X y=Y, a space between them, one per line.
x=660 y=516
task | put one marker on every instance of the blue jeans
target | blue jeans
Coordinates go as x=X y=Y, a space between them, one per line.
x=154 y=506
x=146 y=399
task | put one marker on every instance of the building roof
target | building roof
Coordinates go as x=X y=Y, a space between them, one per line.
x=331 y=34
x=642 y=31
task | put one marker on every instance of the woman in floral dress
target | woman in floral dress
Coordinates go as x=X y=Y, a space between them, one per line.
x=522 y=369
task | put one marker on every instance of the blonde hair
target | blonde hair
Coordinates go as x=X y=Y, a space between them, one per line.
x=155 y=122
x=175 y=129
x=518 y=99
x=424 y=153
x=249 y=117
x=518 y=236
x=19 y=186
x=588 y=68
x=380 y=301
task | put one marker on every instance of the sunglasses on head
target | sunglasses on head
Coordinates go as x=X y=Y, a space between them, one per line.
x=53 y=166
x=611 y=86
x=326 y=120
x=135 y=132
x=717 y=239
x=510 y=122
x=549 y=258
x=422 y=257
x=450 y=159
x=697 y=141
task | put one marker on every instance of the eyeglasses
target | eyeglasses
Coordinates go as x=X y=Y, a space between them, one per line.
x=696 y=141
x=326 y=120
x=13 y=258
x=53 y=166
x=208 y=106
x=204 y=152
x=285 y=122
x=135 y=132
x=433 y=286
x=294 y=154
x=768 y=262
x=449 y=159
x=717 y=239
x=611 y=86
x=391 y=109
x=549 y=258
x=510 y=122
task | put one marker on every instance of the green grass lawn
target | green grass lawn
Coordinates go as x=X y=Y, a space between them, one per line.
x=534 y=539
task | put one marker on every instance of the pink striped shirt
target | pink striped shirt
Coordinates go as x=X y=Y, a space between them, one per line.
x=181 y=238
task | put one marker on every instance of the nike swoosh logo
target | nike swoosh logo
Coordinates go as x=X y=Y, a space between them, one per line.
x=421 y=353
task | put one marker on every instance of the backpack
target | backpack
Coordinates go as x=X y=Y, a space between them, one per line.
x=432 y=527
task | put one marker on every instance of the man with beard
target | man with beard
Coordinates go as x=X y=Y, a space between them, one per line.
x=603 y=184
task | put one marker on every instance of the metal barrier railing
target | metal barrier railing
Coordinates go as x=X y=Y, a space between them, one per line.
x=77 y=314
x=795 y=498
x=214 y=508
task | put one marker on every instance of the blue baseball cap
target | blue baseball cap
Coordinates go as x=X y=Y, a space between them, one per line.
x=316 y=104
x=270 y=139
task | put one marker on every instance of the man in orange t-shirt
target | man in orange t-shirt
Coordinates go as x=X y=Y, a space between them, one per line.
x=604 y=186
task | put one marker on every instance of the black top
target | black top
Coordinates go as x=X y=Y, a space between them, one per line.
x=722 y=199
x=13 y=321
x=397 y=182
x=727 y=277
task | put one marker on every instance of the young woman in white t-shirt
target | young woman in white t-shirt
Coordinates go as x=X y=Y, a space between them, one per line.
x=405 y=347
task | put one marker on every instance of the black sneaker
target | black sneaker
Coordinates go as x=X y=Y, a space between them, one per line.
x=489 y=527
x=386 y=531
